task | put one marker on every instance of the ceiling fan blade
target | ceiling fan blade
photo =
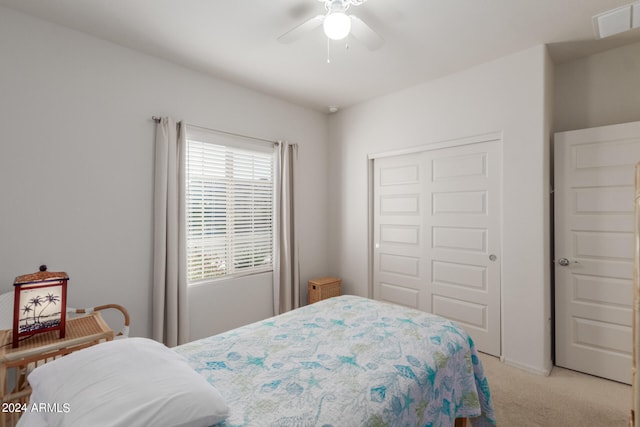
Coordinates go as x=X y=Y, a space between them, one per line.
x=365 y=34
x=296 y=32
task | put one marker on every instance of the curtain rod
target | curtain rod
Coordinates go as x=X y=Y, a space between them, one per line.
x=157 y=120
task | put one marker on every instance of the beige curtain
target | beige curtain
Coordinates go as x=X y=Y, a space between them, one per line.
x=170 y=305
x=286 y=277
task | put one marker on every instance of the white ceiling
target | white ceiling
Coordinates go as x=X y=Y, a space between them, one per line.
x=424 y=39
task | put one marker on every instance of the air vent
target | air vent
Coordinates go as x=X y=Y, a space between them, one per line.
x=617 y=20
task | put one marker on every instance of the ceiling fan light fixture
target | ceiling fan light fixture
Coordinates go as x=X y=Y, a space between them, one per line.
x=337 y=25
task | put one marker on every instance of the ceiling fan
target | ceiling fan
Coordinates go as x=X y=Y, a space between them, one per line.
x=337 y=25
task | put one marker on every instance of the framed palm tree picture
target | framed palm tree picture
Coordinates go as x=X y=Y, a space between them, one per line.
x=39 y=305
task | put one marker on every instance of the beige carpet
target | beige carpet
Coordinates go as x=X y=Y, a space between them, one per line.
x=565 y=398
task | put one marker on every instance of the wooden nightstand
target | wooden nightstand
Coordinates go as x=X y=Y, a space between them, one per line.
x=81 y=332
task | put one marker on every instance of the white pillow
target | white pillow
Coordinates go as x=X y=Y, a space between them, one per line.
x=130 y=382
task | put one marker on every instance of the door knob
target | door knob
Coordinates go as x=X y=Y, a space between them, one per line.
x=563 y=262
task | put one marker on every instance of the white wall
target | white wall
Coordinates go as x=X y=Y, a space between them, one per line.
x=76 y=166
x=598 y=90
x=508 y=95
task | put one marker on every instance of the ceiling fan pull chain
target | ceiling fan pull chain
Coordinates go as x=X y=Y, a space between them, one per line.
x=328 y=51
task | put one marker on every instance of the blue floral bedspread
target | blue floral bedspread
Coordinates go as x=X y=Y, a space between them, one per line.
x=346 y=361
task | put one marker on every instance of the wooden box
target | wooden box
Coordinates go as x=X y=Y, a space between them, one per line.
x=323 y=288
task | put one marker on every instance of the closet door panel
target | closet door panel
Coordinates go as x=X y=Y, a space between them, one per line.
x=399 y=210
x=463 y=238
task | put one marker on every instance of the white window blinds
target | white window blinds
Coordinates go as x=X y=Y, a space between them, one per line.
x=229 y=206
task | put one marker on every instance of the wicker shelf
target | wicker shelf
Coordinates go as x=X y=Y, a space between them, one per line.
x=81 y=332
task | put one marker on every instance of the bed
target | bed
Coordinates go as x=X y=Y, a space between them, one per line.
x=344 y=361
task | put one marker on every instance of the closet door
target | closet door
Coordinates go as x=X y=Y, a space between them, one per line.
x=399 y=213
x=463 y=241
x=436 y=235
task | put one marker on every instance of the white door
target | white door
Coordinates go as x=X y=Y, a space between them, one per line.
x=437 y=235
x=594 y=230
x=399 y=239
x=463 y=241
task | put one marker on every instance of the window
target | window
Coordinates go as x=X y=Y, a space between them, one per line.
x=229 y=203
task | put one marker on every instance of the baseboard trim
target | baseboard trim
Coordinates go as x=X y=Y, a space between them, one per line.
x=525 y=367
